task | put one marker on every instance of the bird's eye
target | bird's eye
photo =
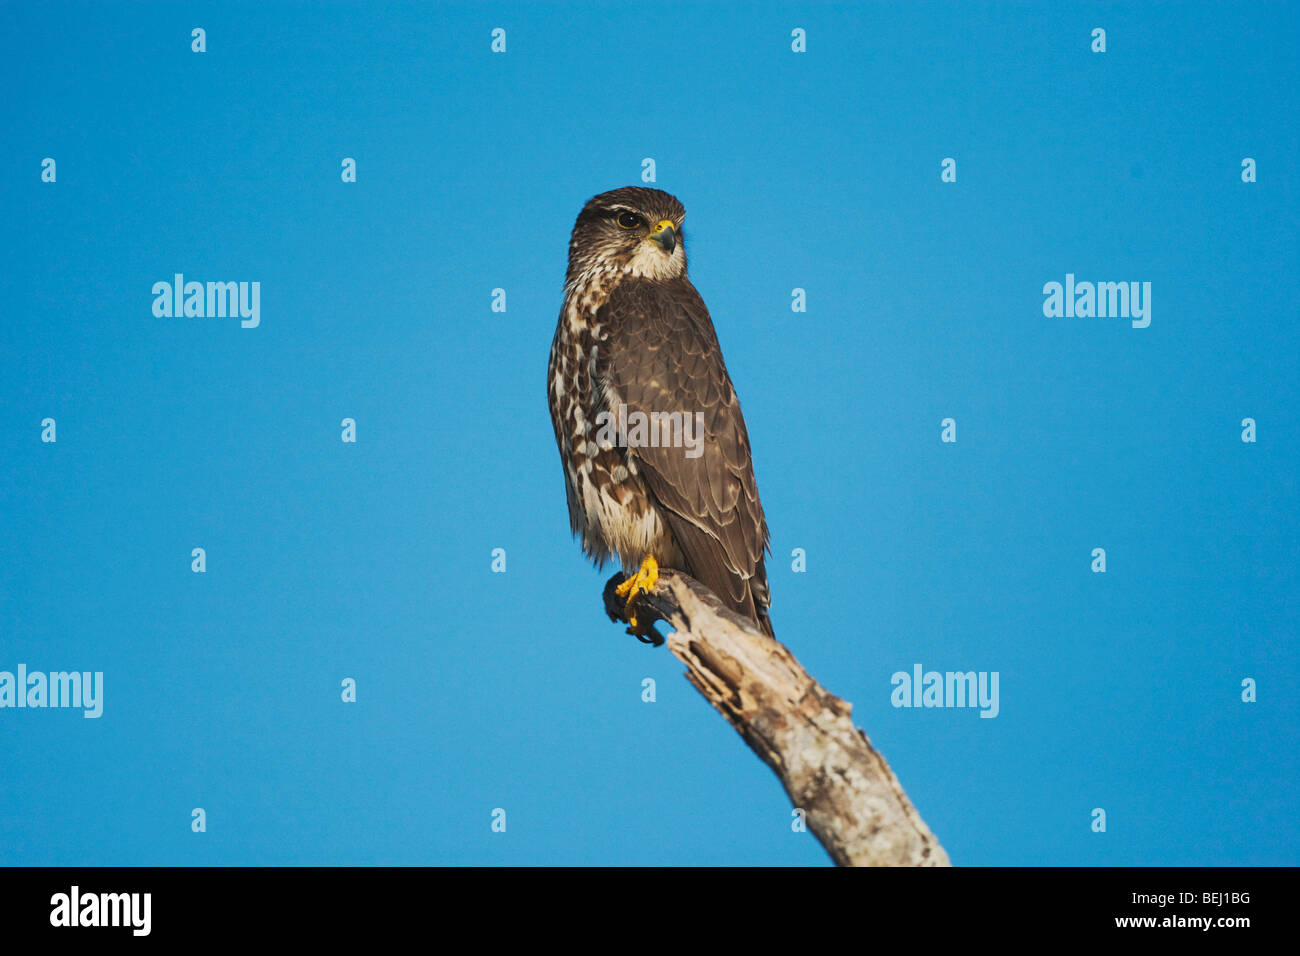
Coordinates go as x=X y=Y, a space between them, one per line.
x=629 y=220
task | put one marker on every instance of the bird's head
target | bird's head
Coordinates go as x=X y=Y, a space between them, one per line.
x=633 y=231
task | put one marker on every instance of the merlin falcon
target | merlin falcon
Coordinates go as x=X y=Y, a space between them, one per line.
x=635 y=345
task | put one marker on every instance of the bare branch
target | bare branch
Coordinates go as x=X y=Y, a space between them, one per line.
x=852 y=801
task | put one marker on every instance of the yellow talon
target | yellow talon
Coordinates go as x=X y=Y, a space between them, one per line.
x=640 y=583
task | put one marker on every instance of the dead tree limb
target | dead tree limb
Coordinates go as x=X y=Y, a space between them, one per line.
x=851 y=800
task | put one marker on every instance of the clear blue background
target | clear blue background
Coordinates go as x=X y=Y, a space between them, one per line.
x=372 y=561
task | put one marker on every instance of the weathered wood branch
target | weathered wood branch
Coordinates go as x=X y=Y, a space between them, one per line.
x=852 y=801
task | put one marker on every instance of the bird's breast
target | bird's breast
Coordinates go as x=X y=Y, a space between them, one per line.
x=616 y=516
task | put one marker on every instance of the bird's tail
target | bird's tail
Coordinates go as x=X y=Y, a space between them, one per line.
x=759 y=600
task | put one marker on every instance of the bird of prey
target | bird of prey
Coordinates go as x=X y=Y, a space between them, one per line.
x=655 y=451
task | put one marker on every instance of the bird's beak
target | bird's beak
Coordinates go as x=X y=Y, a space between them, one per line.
x=664 y=236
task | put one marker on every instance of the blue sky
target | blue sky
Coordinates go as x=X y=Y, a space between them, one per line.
x=372 y=560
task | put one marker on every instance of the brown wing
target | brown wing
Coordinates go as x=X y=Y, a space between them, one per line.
x=662 y=355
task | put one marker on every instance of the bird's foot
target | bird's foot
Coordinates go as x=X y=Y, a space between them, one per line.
x=622 y=596
x=640 y=583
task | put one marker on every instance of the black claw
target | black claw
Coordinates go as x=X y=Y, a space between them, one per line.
x=645 y=633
